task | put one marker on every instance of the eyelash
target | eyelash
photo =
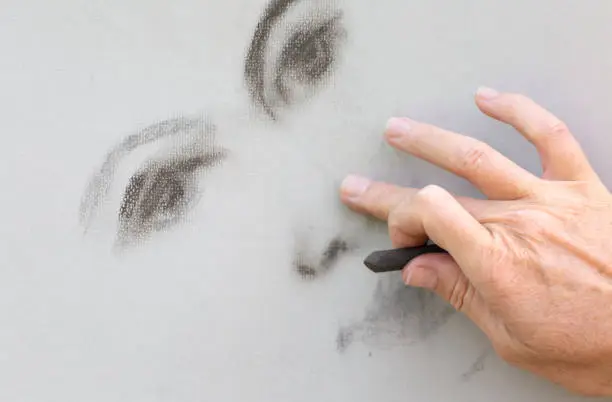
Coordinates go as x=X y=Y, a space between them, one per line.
x=293 y=69
x=160 y=194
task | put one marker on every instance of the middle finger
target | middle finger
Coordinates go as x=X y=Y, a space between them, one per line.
x=492 y=173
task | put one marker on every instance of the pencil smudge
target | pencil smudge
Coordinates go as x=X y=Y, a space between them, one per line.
x=477 y=366
x=397 y=315
x=344 y=339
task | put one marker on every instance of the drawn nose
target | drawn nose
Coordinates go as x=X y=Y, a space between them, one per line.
x=310 y=269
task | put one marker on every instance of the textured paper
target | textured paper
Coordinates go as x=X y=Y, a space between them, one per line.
x=171 y=224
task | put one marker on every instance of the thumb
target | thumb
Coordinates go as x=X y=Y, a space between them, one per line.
x=442 y=275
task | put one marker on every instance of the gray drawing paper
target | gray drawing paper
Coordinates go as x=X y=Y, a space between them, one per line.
x=172 y=229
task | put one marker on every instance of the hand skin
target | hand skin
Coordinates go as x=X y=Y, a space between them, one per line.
x=531 y=266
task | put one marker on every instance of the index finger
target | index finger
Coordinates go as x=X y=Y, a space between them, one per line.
x=378 y=199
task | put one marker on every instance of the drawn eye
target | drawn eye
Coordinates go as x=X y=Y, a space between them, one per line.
x=160 y=194
x=307 y=58
x=164 y=189
x=286 y=66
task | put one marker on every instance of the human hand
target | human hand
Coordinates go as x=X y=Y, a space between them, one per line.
x=532 y=265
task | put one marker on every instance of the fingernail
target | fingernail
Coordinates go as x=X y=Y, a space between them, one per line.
x=420 y=276
x=407 y=275
x=353 y=186
x=398 y=128
x=487 y=93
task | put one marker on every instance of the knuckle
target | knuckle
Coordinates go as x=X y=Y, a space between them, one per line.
x=431 y=189
x=428 y=193
x=474 y=156
x=460 y=293
x=556 y=128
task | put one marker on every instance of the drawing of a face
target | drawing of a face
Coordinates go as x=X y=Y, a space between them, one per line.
x=296 y=70
x=294 y=52
x=201 y=145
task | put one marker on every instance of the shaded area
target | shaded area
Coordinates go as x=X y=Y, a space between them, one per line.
x=162 y=189
x=397 y=315
x=334 y=250
x=99 y=184
x=159 y=194
x=306 y=57
x=254 y=66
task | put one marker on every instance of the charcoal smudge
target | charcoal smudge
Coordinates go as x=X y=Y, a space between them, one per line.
x=398 y=316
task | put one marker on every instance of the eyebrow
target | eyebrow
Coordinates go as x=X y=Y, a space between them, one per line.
x=254 y=62
x=99 y=183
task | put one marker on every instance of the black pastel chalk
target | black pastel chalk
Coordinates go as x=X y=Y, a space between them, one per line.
x=396 y=259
